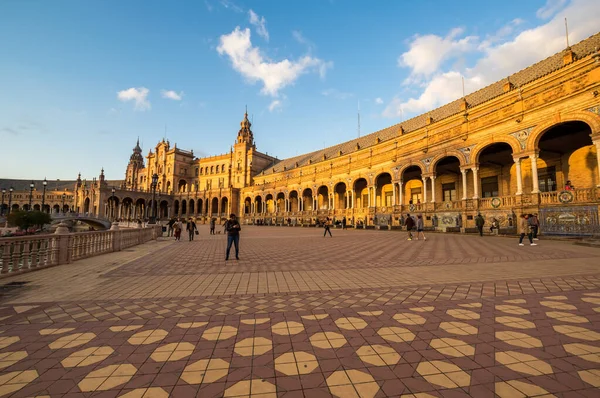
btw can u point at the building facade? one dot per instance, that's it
(526, 144)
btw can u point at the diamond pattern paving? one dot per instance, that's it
(366, 314)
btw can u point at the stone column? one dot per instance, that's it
(432, 189)
(400, 192)
(519, 176)
(475, 171)
(352, 198)
(464, 183)
(597, 143)
(534, 173)
(394, 193)
(424, 189)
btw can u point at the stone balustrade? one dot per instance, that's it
(25, 253)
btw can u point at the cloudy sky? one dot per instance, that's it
(80, 81)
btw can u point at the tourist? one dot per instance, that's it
(479, 221)
(327, 225)
(524, 229)
(534, 224)
(420, 227)
(410, 224)
(344, 223)
(569, 186)
(494, 226)
(191, 228)
(170, 227)
(233, 228)
(178, 226)
(212, 225)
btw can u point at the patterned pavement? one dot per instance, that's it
(362, 314)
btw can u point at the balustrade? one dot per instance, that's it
(32, 252)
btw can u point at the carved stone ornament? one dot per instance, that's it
(522, 136)
(427, 162)
(467, 152)
(595, 109)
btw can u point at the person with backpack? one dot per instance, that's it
(327, 226)
(479, 222)
(410, 224)
(191, 228)
(233, 228)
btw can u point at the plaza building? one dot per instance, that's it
(526, 144)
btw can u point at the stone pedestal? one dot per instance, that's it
(114, 226)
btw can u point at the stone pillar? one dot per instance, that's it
(369, 197)
(432, 189)
(394, 193)
(424, 189)
(400, 192)
(475, 171)
(464, 183)
(519, 176)
(534, 173)
(353, 200)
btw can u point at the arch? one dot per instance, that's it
(65, 209)
(247, 205)
(447, 183)
(36, 207)
(212, 169)
(294, 201)
(164, 209)
(384, 192)
(411, 172)
(56, 209)
(258, 200)
(14, 207)
(191, 206)
(458, 155)
(339, 195)
(361, 192)
(270, 202)
(176, 208)
(589, 118)
(184, 207)
(280, 202)
(168, 186)
(214, 206)
(307, 199)
(224, 205)
(86, 205)
(323, 197)
(182, 186)
(222, 168)
(199, 206)
(508, 140)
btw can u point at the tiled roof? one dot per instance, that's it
(527, 75)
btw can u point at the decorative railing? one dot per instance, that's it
(496, 202)
(26, 253)
(583, 195)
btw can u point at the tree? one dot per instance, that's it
(26, 219)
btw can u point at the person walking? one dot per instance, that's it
(191, 228)
(410, 224)
(344, 223)
(327, 225)
(479, 221)
(233, 228)
(524, 229)
(420, 227)
(178, 226)
(170, 227)
(212, 225)
(534, 222)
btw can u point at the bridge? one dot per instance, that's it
(87, 218)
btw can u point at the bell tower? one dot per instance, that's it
(136, 163)
(243, 149)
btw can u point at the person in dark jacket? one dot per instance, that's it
(410, 224)
(479, 221)
(233, 228)
(191, 228)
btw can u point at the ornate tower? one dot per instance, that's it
(136, 163)
(243, 148)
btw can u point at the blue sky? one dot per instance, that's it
(81, 80)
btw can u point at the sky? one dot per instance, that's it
(80, 81)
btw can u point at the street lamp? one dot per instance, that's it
(2, 208)
(44, 183)
(153, 185)
(31, 186)
(10, 191)
(64, 196)
(112, 203)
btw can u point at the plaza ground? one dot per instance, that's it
(362, 314)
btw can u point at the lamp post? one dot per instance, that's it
(2, 208)
(153, 185)
(31, 186)
(44, 183)
(10, 191)
(112, 203)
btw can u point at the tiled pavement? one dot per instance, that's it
(362, 314)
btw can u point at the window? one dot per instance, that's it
(415, 195)
(212, 169)
(448, 192)
(389, 199)
(489, 187)
(547, 179)
(365, 200)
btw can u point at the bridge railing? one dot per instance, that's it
(25, 253)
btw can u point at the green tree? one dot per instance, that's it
(26, 219)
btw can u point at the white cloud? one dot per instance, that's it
(170, 94)
(250, 63)
(337, 94)
(274, 105)
(428, 52)
(499, 60)
(378, 101)
(138, 95)
(259, 23)
(550, 8)
(230, 5)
